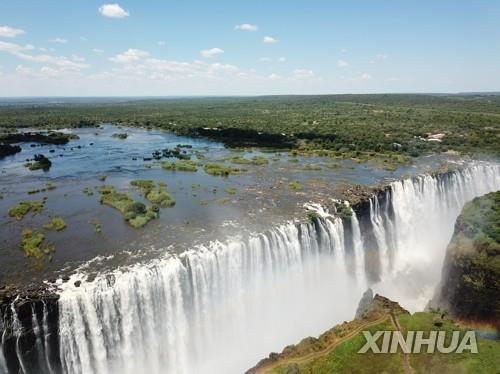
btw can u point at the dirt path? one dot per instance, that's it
(324, 351)
(406, 359)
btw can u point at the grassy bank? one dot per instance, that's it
(349, 125)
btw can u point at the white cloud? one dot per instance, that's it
(361, 77)
(246, 27)
(269, 40)
(274, 77)
(83, 39)
(10, 32)
(162, 43)
(343, 50)
(21, 69)
(131, 55)
(169, 70)
(303, 73)
(58, 40)
(77, 58)
(379, 57)
(60, 61)
(48, 71)
(14, 48)
(97, 50)
(342, 64)
(270, 59)
(228, 68)
(209, 53)
(113, 11)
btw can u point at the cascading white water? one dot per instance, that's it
(220, 308)
(425, 210)
(213, 309)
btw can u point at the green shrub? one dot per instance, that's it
(24, 207)
(221, 170)
(120, 136)
(56, 223)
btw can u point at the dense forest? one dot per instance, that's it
(394, 124)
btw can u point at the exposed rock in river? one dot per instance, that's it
(8, 150)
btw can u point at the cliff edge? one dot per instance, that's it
(470, 286)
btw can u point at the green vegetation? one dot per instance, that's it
(56, 223)
(480, 221)
(335, 351)
(221, 170)
(120, 136)
(312, 216)
(134, 212)
(332, 165)
(97, 225)
(399, 124)
(471, 276)
(311, 167)
(295, 185)
(182, 165)
(343, 211)
(159, 196)
(24, 207)
(486, 361)
(102, 178)
(144, 184)
(48, 187)
(255, 160)
(87, 191)
(40, 162)
(230, 190)
(222, 201)
(33, 245)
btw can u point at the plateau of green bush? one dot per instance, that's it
(120, 136)
(134, 212)
(33, 245)
(182, 165)
(221, 170)
(56, 223)
(24, 207)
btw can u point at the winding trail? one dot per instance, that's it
(406, 360)
(264, 369)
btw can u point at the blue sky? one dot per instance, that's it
(164, 47)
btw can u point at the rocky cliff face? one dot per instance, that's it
(29, 331)
(470, 287)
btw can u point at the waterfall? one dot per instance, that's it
(424, 211)
(219, 300)
(223, 306)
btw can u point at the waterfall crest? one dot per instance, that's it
(220, 307)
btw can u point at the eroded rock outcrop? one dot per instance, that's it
(470, 287)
